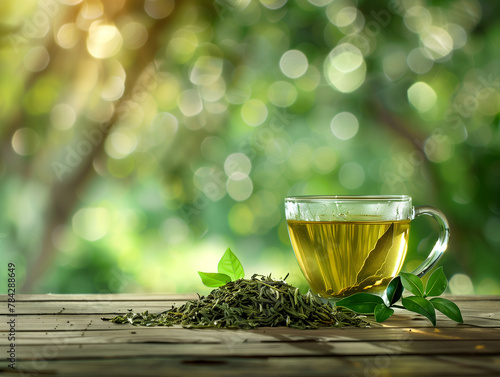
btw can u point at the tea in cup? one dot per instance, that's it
(350, 244)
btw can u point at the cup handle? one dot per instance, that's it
(442, 242)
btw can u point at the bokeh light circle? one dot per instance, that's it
(25, 141)
(351, 175)
(422, 96)
(91, 223)
(417, 19)
(437, 42)
(36, 59)
(419, 62)
(345, 68)
(104, 40)
(282, 94)
(68, 35)
(254, 112)
(324, 159)
(461, 284)
(190, 103)
(159, 9)
(293, 63)
(134, 35)
(62, 116)
(273, 4)
(237, 166)
(344, 125)
(239, 189)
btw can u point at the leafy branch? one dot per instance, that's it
(367, 303)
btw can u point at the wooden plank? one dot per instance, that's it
(88, 307)
(472, 297)
(75, 341)
(478, 315)
(275, 366)
(62, 351)
(221, 336)
(162, 347)
(104, 297)
(72, 322)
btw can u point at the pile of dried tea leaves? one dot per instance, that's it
(249, 303)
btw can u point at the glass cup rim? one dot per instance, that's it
(347, 198)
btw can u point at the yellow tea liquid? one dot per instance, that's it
(340, 258)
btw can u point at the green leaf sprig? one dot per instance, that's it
(367, 303)
(228, 269)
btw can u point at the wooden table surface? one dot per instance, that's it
(64, 335)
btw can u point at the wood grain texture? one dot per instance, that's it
(64, 335)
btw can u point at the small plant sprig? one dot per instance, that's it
(228, 269)
(367, 303)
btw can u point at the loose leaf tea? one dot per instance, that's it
(250, 303)
(262, 301)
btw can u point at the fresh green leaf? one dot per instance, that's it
(363, 303)
(230, 265)
(213, 279)
(421, 306)
(377, 257)
(382, 312)
(394, 290)
(436, 284)
(448, 308)
(412, 283)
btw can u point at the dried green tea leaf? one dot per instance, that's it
(377, 257)
(249, 303)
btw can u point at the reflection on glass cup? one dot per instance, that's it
(350, 244)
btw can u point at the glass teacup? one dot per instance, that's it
(350, 244)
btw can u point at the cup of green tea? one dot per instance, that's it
(350, 244)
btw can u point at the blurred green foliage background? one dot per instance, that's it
(139, 139)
